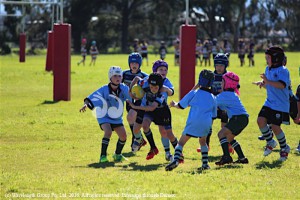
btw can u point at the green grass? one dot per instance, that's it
(49, 148)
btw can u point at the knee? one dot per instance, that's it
(261, 122)
(130, 118)
(123, 137)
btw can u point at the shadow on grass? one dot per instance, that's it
(195, 171)
(128, 154)
(267, 165)
(213, 158)
(101, 165)
(229, 166)
(46, 102)
(135, 167)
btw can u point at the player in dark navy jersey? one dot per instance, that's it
(134, 62)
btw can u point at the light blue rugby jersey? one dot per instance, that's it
(278, 99)
(230, 101)
(149, 97)
(203, 109)
(168, 83)
(108, 104)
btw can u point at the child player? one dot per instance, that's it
(109, 104)
(144, 50)
(134, 62)
(221, 64)
(198, 124)
(153, 108)
(94, 53)
(162, 50)
(275, 110)
(83, 52)
(241, 51)
(161, 67)
(229, 101)
(297, 118)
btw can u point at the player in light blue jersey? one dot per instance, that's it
(229, 101)
(275, 110)
(297, 118)
(221, 63)
(154, 108)
(203, 109)
(109, 104)
(134, 62)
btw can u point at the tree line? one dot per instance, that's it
(116, 23)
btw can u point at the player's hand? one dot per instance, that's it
(264, 78)
(173, 103)
(297, 119)
(259, 83)
(130, 103)
(83, 109)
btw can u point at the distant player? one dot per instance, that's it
(136, 46)
(94, 53)
(215, 49)
(83, 52)
(227, 48)
(109, 103)
(251, 54)
(144, 50)
(241, 51)
(162, 50)
(176, 52)
(202, 110)
(206, 53)
(198, 50)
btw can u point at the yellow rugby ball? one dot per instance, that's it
(137, 91)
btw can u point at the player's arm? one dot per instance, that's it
(87, 103)
(150, 108)
(260, 84)
(277, 84)
(168, 90)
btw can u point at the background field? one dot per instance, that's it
(50, 149)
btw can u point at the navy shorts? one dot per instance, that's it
(274, 116)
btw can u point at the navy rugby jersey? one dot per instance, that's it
(217, 83)
(128, 76)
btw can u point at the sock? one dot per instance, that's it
(104, 145)
(281, 139)
(208, 137)
(174, 143)
(138, 137)
(131, 128)
(224, 145)
(166, 143)
(266, 133)
(120, 145)
(150, 139)
(237, 148)
(178, 152)
(204, 153)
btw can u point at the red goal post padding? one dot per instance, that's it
(187, 58)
